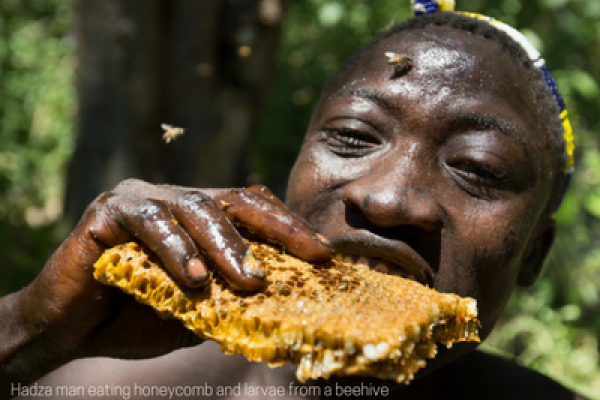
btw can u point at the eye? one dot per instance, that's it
(349, 142)
(479, 179)
(478, 172)
(486, 164)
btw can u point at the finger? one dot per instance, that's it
(274, 222)
(153, 224)
(265, 192)
(218, 240)
(98, 220)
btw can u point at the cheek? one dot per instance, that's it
(482, 259)
(305, 184)
(314, 189)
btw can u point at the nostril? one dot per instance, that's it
(409, 207)
(352, 203)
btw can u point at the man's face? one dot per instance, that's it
(437, 173)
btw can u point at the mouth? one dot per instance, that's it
(375, 264)
(383, 255)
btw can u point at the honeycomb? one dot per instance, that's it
(332, 318)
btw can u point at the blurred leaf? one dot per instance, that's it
(331, 13)
(554, 3)
(37, 106)
(585, 84)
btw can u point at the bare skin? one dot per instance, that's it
(439, 171)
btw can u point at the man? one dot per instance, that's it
(448, 167)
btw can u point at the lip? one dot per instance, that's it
(400, 257)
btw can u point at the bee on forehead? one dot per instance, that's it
(171, 132)
(400, 62)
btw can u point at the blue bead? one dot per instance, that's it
(552, 85)
(430, 7)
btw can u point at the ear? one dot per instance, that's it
(536, 252)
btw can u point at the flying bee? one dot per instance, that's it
(399, 62)
(171, 132)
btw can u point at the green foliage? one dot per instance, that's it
(37, 99)
(36, 93)
(554, 326)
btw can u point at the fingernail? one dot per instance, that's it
(251, 267)
(323, 240)
(197, 270)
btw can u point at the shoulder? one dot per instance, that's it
(482, 375)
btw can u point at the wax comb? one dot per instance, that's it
(331, 318)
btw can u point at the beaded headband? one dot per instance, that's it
(428, 7)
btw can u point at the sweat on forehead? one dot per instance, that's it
(439, 39)
(442, 66)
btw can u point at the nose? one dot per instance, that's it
(390, 199)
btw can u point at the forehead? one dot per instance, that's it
(441, 57)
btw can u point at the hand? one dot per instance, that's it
(190, 231)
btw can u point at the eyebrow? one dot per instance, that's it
(374, 95)
(486, 122)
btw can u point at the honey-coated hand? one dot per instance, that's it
(65, 314)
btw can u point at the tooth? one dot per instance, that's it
(363, 262)
(381, 268)
(347, 259)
